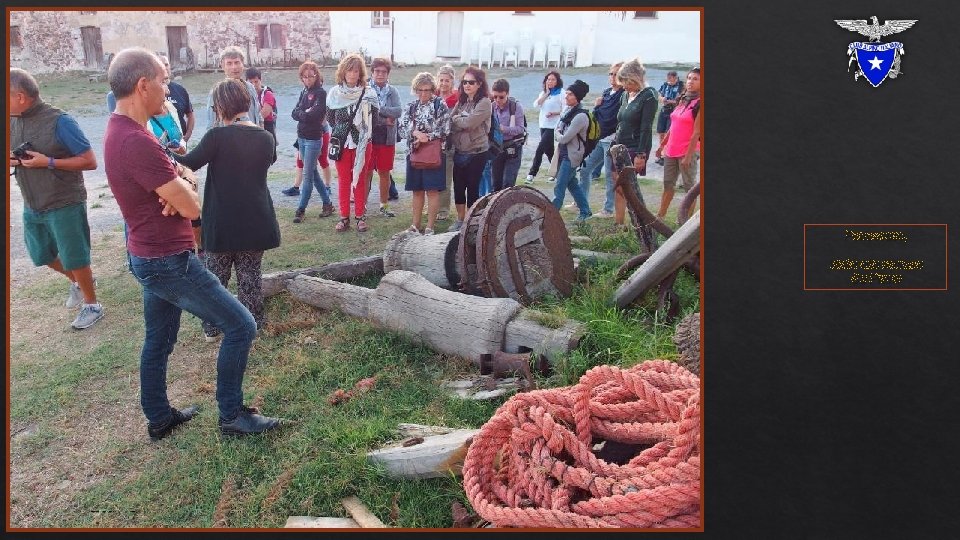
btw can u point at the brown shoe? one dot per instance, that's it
(298, 217)
(326, 211)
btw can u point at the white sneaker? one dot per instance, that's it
(572, 205)
(603, 213)
(75, 297)
(90, 314)
(428, 231)
(529, 179)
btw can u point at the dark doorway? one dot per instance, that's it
(92, 47)
(177, 42)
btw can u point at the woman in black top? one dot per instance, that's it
(239, 222)
(310, 114)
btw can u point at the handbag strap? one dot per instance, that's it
(359, 102)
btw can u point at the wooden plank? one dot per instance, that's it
(308, 522)
(361, 514)
(436, 457)
(584, 254)
(665, 260)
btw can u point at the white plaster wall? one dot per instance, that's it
(415, 37)
(674, 36)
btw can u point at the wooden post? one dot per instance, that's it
(432, 256)
(676, 251)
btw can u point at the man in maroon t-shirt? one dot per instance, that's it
(158, 198)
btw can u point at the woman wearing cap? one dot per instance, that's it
(469, 126)
(638, 108)
(571, 136)
(426, 119)
(680, 147)
(550, 103)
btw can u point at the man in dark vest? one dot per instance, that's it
(49, 153)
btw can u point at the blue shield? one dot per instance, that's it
(875, 60)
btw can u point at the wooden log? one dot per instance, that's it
(432, 256)
(447, 321)
(331, 295)
(676, 251)
(526, 332)
(361, 514)
(580, 240)
(276, 282)
(687, 203)
(437, 456)
(308, 522)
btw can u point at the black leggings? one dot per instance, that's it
(467, 170)
(545, 147)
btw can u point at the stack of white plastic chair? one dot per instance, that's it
(539, 53)
(486, 49)
(474, 53)
(498, 50)
(570, 57)
(526, 46)
(553, 50)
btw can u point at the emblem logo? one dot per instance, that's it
(875, 60)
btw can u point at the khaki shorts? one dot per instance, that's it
(672, 169)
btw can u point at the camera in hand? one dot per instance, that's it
(20, 152)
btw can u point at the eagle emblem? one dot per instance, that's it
(875, 60)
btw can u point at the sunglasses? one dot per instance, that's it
(469, 81)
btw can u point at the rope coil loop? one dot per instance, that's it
(534, 464)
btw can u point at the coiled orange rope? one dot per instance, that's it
(533, 463)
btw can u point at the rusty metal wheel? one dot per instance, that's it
(521, 247)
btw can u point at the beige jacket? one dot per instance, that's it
(469, 126)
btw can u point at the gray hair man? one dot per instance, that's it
(49, 153)
(158, 198)
(231, 61)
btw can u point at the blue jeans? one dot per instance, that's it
(486, 177)
(506, 168)
(566, 180)
(309, 150)
(171, 285)
(599, 157)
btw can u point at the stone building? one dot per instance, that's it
(55, 41)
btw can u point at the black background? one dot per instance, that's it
(827, 414)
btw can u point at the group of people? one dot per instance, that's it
(183, 263)
(625, 113)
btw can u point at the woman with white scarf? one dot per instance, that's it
(351, 105)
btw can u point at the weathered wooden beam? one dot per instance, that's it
(527, 332)
(276, 282)
(446, 321)
(439, 455)
(308, 522)
(361, 514)
(676, 251)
